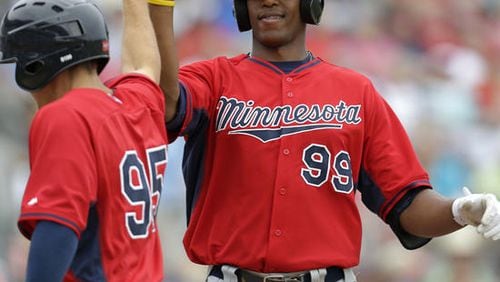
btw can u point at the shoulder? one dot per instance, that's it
(57, 120)
(344, 72)
(237, 59)
(78, 108)
(137, 87)
(131, 80)
(61, 110)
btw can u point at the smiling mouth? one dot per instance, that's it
(271, 18)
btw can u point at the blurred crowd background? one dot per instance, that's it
(437, 62)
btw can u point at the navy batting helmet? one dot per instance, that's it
(310, 12)
(45, 37)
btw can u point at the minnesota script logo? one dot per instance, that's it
(268, 124)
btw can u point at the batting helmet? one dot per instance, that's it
(45, 37)
(310, 12)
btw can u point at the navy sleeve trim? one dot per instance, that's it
(45, 216)
(408, 240)
(419, 183)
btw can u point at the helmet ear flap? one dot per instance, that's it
(311, 10)
(240, 12)
(33, 75)
(33, 68)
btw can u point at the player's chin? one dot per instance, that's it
(271, 39)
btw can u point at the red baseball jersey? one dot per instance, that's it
(97, 164)
(273, 162)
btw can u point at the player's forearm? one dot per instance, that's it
(429, 215)
(162, 18)
(52, 249)
(139, 49)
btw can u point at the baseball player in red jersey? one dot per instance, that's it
(278, 144)
(97, 151)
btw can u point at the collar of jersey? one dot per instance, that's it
(310, 63)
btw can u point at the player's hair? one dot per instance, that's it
(310, 12)
(45, 37)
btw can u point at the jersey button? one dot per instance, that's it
(289, 94)
(286, 152)
(289, 79)
(283, 191)
(277, 233)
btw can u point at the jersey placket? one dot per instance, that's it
(280, 221)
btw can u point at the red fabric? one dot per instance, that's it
(257, 209)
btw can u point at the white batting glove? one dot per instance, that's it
(490, 223)
(471, 209)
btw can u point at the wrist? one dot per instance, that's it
(168, 3)
(455, 210)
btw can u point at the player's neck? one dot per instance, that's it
(280, 54)
(67, 80)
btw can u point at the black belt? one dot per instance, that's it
(333, 274)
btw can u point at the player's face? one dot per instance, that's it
(276, 23)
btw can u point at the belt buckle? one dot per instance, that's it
(282, 278)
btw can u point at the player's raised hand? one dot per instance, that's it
(474, 209)
(490, 223)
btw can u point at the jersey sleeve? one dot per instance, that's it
(63, 181)
(390, 167)
(198, 89)
(145, 89)
(175, 125)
